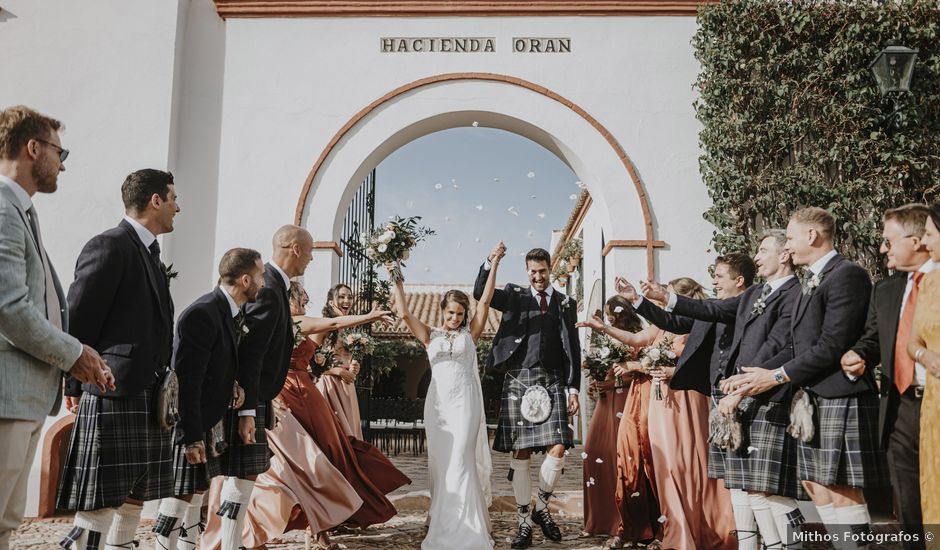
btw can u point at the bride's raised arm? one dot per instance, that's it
(421, 331)
(478, 323)
(319, 325)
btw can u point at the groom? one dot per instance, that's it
(536, 344)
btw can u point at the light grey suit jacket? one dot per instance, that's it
(34, 354)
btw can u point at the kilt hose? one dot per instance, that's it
(189, 479)
(514, 433)
(117, 450)
(766, 461)
(242, 460)
(845, 449)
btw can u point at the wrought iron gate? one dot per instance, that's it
(357, 271)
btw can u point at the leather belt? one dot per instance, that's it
(917, 392)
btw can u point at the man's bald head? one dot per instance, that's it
(293, 249)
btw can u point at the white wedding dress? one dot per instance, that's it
(459, 462)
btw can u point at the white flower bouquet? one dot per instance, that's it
(359, 344)
(604, 353)
(394, 242)
(657, 356)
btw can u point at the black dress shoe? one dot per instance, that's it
(524, 538)
(545, 521)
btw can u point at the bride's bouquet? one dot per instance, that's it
(394, 242)
(604, 353)
(657, 356)
(359, 344)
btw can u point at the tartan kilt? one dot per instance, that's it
(189, 479)
(766, 461)
(716, 456)
(845, 449)
(515, 433)
(242, 460)
(117, 450)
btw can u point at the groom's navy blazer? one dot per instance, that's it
(516, 302)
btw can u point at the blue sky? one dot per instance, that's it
(475, 186)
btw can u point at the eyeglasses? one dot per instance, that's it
(887, 244)
(63, 153)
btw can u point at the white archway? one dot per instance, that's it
(427, 107)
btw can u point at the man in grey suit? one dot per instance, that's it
(35, 349)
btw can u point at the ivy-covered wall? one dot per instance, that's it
(792, 116)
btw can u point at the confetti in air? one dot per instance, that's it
(619, 414)
(475, 124)
(512, 210)
(495, 179)
(583, 456)
(662, 519)
(752, 449)
(530, 175)
(456, 187)
(599, 460)
(572, 196)
(541, 215)
(446, 218)
(531, 233)
(480, 207)
(636, 494)
(438, 186)
(476, 240)
(531, 196)
(618, 309)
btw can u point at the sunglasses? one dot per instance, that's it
(63, 153)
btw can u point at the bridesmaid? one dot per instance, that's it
(338, 384)
(601, 511)
(696, 510)
(636, 499)
(924, 347)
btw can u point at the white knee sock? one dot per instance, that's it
(788, 517)
(168, 520)
(189, 534)
(827, 514)
(548, 476)
(744, 523)
(235, 494)
(521, 486)
(124, 527)
(856, 517)
(89, 530)
(765, 521)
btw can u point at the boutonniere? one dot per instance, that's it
(812, 283)
(565, 303)
(759, 306)
(169, 273)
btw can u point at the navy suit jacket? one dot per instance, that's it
(119, 304)
(826, 324)
(693, 370)
(264, 353)
(760, 340)
(205, 357)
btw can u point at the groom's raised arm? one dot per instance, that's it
(500, 296)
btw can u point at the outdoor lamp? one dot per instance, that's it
(893, 68)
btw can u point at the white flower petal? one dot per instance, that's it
(619, 414)
(592, 480)
(514, 398)
(480, 207)
(599, 460)
(495, 179)
(566, 452)
(541, 215)
(573, 196)
(531, 196)
(636, 494)
(662, 519)
(584, 456)
(530, 175)
(518, 340)
(438, 186)
(752, 449)
(618, 309)
(475, 124)
(519, 423)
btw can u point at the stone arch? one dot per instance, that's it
(453, 100)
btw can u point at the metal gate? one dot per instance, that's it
(358, 272)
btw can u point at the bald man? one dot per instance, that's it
(264, 359)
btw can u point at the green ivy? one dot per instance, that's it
(791, 116)
(387, 353)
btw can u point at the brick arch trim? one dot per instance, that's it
(649, 243)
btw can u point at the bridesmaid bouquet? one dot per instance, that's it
(657, 356)
(394, 242)
(323, 360)
(604, 353)
(359, 344)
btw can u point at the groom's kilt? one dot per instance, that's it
(117, 450)
(516, 433)
(766, 461)
(242, 460)
(845, 450)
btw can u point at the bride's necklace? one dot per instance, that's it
(451, 336)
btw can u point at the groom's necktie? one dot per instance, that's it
(543, 301)
(53, 307)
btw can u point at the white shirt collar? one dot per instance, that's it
(283, 275)
(820, 264)
(25, 200)
(548, 291)
(777, 283)
(928, 266)
(231, 301)
(145, 235)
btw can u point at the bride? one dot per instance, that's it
(459, 463)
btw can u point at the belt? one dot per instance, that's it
(917, 392)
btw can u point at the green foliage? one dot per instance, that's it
(791, 116)
(573, 249)
(386, 354)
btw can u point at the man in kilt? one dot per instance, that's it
(887, 331)
(264, 359)
(119, 454)
(761, 473)
(706, 358)
(537, 345)
(205, 358)
(843, 455)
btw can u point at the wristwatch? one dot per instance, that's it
(780, 377)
